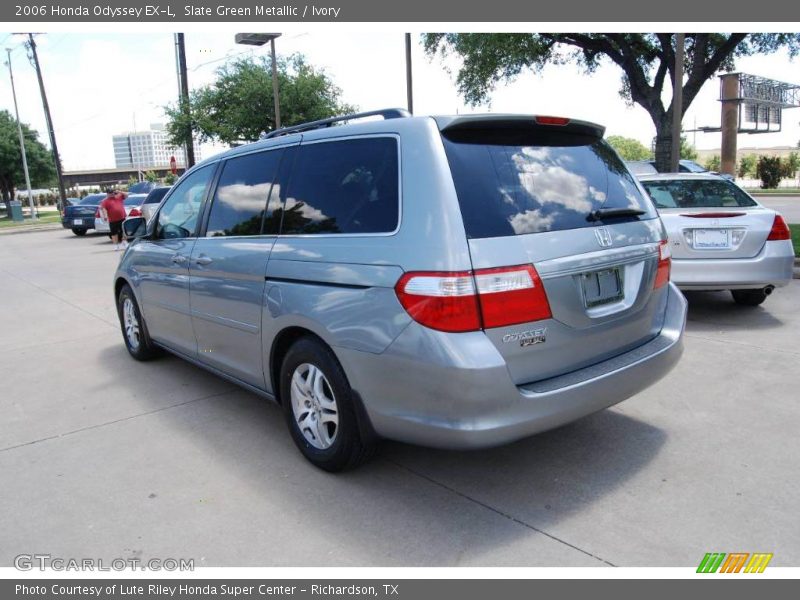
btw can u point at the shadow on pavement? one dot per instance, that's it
(410, 496)
(715, 310)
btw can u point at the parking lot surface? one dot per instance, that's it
(105, 457)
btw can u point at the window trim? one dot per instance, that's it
(396, 230)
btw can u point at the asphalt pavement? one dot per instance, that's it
(102, 456)
(788, 206)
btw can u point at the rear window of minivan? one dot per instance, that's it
(507, 185)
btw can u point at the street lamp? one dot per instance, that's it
(259, 39)
(21, 140)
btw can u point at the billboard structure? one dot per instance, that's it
(751, 104)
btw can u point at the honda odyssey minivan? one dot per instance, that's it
(457, 282)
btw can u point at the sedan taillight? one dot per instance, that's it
(135, 212)
(780, 230)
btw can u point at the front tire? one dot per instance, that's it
(319, 408)
(749, 297)
(134, 329)
(79, 232)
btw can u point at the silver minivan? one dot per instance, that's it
(458, 282)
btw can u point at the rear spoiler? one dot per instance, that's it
(520, 124)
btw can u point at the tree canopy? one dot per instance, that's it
(629, 148)
(40, 161)
(646, 61)
(239, 105)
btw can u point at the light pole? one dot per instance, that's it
(21, 139)
(259, 39)
(677, 103)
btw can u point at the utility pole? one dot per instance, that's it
(677, 102)
(409, 87)
(21, 140)
(184, 91)
(62, 202)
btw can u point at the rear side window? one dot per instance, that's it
(509, 186)
(156, 195)
(241, 198)
(697, 193)
(344, 186)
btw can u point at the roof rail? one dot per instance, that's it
(386, 113)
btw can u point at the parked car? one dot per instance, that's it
(142, 187)
(150, 204)
(641, 167)
(133, 202)
(79, 217)
(458, 282)
(684, 166)
(721, 237)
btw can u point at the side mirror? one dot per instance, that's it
(135, 227)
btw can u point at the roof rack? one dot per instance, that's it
(387, 113)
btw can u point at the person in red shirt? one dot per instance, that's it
(112, 209)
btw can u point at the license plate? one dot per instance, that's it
(711, 239)
(77, 222)
(602, 287)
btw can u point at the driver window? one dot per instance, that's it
(178, 217)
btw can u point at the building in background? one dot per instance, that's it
(146, 149)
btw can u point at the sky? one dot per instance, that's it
(99, 85)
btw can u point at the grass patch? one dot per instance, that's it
(795, 229)
(49, 217)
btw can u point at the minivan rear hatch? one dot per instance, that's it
(550, 193)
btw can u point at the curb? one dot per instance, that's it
(30, 228)
(796, 269)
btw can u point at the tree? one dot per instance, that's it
(647, 62)
(40, 161)
(151, 176)
(687, 151)
(713, 163)
(747, 166)
(629, 148)
(770, 171)
(790, 164)
(239, 105)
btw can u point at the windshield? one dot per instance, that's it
(697, 193)
(508, 189)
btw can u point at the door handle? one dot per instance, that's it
(203, 260)
(179, 259)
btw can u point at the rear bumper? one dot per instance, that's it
(101, 226)
(772, 266)
(86, 223)
(463, 397)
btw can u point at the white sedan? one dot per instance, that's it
(720, 237)
(132, 203)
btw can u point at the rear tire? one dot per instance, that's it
(79, 232)
(319, 408)
(134, 330)
(748, 297)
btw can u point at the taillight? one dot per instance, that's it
(467, 300)
(97, 214)
(779, 231)
(664, 264)
(135, 212)
(443, 301)
(511, 295)
(542, 120)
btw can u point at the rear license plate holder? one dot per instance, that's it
(711, 239)
(602, 287)
(77, 221)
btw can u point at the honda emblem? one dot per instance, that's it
(603, 237)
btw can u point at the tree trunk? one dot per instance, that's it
(663, 149)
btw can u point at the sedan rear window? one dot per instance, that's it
(509, 187)
(697, 193)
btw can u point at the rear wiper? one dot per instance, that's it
(612, 213)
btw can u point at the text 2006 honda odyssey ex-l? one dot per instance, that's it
(459, 282)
